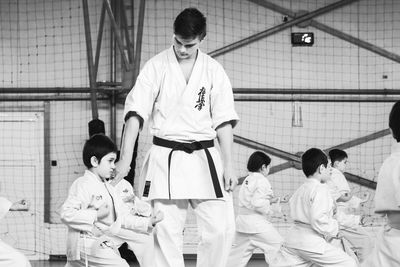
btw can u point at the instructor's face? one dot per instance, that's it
(185, 48)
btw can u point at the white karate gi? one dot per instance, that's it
(253, 230)
(360, 240)
(311, 207)
(142, 244)
(9, 256)
(91, 240)
(185, 112)
(387, 201)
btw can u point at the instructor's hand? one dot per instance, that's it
(230, 179)
(121, 170)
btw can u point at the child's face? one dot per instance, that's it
(341, 165)
(265, 170)
(325, 173)
(105, 168)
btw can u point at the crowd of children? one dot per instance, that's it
(100, 216)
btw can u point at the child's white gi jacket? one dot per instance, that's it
(312, 209)
(254, 204)
(338, 186)
(80, 220)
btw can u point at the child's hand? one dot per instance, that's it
(130, 198)
(95, 202)
(156, 218)
(142, 208)
(285, 198)
(334, 209)
(339, 235)
(365, 198)
(366, 220)
(274, 200)
(103, 211)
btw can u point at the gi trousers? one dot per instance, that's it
(216, 226)
(386, 251)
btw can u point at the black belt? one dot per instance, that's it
(189, 148)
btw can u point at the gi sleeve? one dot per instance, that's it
(342, 184)
(74, 213)
(132, 221)
(136, 223)
(321, 213)
(5, 206)
(261, 197)
(348, 220)
(140, 99)
(222, 103)
(396, 183)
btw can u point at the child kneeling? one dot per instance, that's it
(253, 230)
(312, 209)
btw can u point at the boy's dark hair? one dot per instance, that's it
(98, 145)
(190, 23)
(337, 155)
(256, 160)
(312, 159)
(394, 121)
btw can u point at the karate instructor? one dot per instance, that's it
(187, 98)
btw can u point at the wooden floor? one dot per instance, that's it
(188, 263)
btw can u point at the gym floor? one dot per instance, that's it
(188, 263)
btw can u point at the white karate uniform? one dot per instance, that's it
(142, 244)
(253, 230)
(9, 256)
(387, 201)
(311, 207)
(360, 240)
(185, 112)
(95, 241)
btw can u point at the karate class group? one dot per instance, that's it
(187, 98)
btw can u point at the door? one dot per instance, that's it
(21, 177)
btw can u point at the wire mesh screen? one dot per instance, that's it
(351, 73)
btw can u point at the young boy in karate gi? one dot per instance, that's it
(9, 256)
(253, 230)
(187, 98)
(350, 224)
(141, 244)
(387, 202)
(95, 214)
(312, 209)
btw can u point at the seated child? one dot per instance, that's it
(253, 230)
(312, 209)
(350, 224)
(141, 244)
(387, 202)
(95, 214)
(10, 257)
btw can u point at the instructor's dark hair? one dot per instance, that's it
(98, 145)
(190, 23)
(256, 160)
